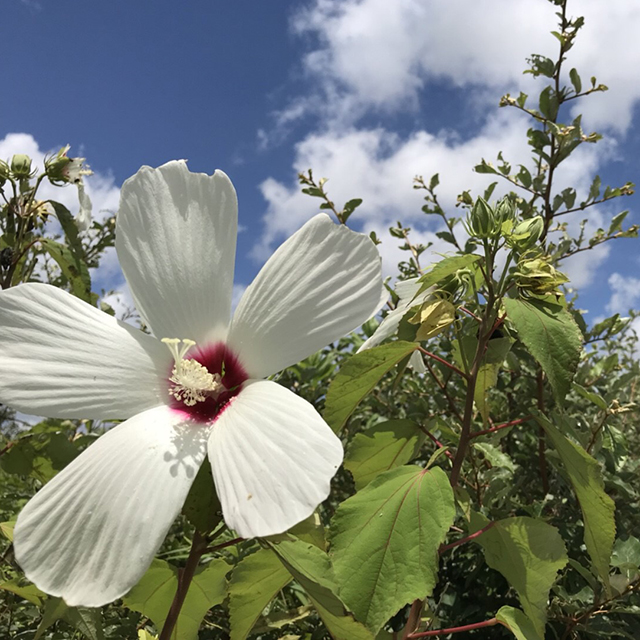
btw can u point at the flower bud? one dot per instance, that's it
(537, 276)
(434, 316)
(21, 166)
(481, 221)
(5, 172)
(526, 234)
(505, 210)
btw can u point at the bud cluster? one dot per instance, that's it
(485, 222)
(537, 276)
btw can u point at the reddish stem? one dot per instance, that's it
(444, 362)
(225, 544)
(444, 632)
(479, 532)
(436, 442)
(500, 426)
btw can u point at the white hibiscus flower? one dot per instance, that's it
(90, 534)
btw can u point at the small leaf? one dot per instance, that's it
(382, 447)
(597, 507)
(385, 540)
(69, 226)
(255, 581)
(54, 610)
(358, 376)
(25, 591)
(594, 398)
(153, 595)
(575, 80)
(552, 336)
(6, 529)
(87, 621)
(528, 553)
(626, 554)
(518, 623)
(496, 457)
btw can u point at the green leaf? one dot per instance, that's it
(575, 80)
(594, 398)
(255, 581)
(69, 226)
(496, 457)
(202, 506)
(626, 554)
(553, 338)
(153, 595)
(25, 591)
(385, 540)
(487, 378)
(6, 529)
(312, 570)
(597, 507)
(445, 268)
(382, 447)
(518, 623)
(54, 610)
(87, 621)
(528, 553)
(358, 376)
(73, 268)
(310, 530)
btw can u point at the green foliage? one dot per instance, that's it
(385, 540)
(552, 337)
(597, 507)
(358, 377)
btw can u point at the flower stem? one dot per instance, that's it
(198, 547)
(444, 632)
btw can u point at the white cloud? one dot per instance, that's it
(382, 55)
(625, 293)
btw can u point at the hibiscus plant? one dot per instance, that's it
(450, 450)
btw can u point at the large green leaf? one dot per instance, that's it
(358, 376)
(444, 268)
(552, 336)
(255, 581)
(153, 595)
(312, 570)
(72, 266)
(518, 623)
(382, 447)
(528, 553)
(385, 540)
(597, 507)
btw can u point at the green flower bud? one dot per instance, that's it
(481, 221)
(56, 167)
(505, 210)
(21, 166)
(433, 317)
(5, 172)
(526, 234)
(537, 276)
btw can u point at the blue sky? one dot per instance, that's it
(367, 92)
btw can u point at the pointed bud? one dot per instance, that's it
(481, 221)
(505, 210)
(526, 234)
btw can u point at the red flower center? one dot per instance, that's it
(217, 359)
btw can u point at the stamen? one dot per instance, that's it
(192, 381)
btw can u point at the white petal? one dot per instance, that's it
(322, 283)
(83, 219)
(416, 362)
(273, 458)
(90, 534)
(63, 358)
(176, 242)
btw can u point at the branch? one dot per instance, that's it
(478, 533)
(501, 426)
(444, 632)
(444, 362)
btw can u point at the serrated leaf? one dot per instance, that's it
(445, 268)
(626, 554)
(73, 268)
(255, 581)
(358, 376)
(312, 570)
(87, 621)
(528, 553)
(553, 338)
(597, 507)
(518, 623)
(153, 595)
(202, 507)
(382, 447)
(385, 540)
(496, 457)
